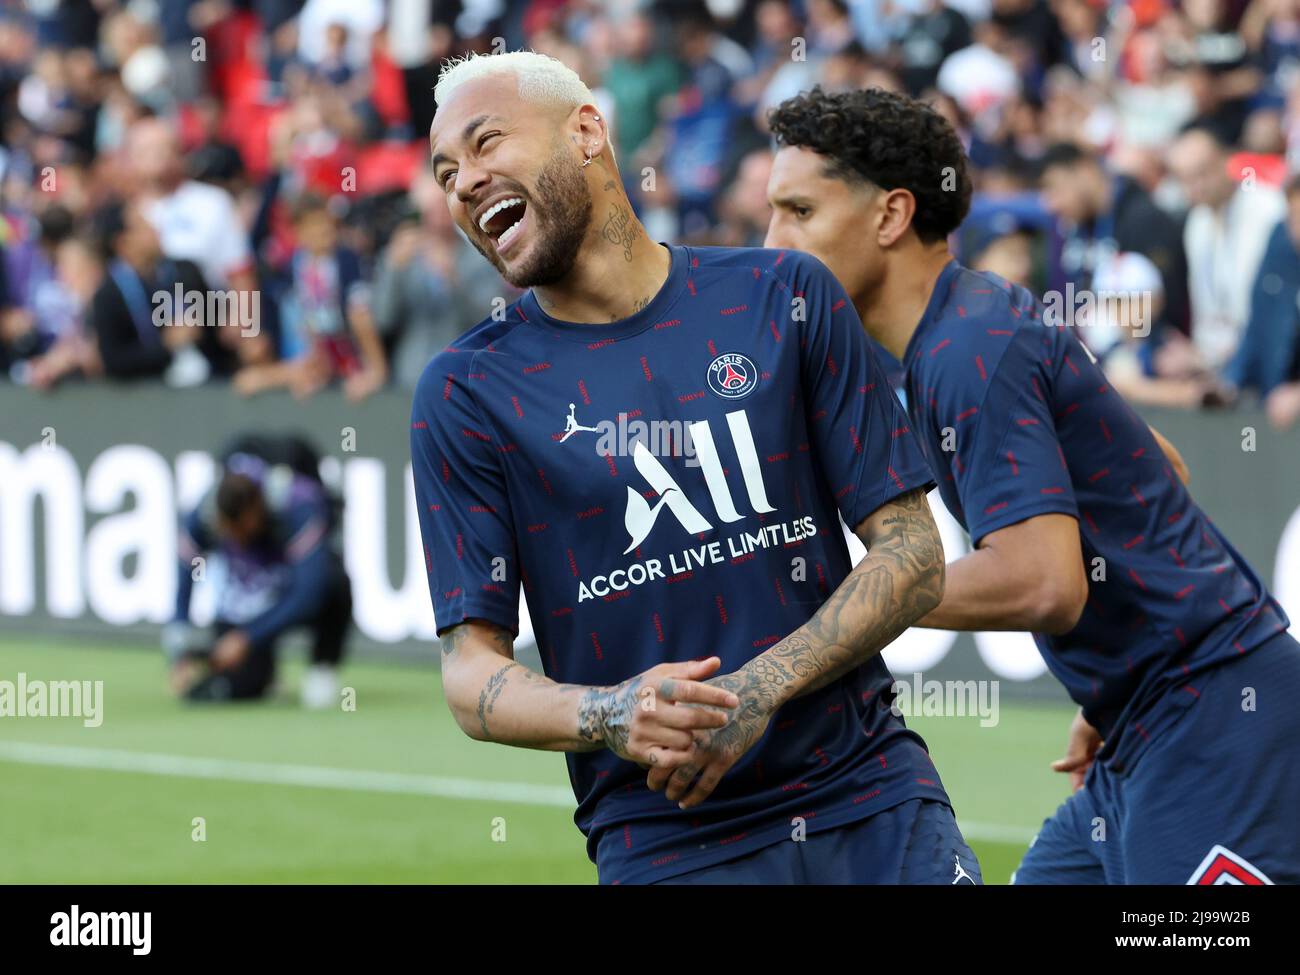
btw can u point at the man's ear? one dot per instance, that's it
(592, 133)
(898, 207)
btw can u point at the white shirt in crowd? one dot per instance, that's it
(1224, 251)
(362, 18)
(198, 222)
(978, 78)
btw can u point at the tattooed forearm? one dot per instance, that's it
(487, 698)
(899, 581)
(495, 698)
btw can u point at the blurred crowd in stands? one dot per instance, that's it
(273, 153)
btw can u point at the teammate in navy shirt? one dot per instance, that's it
(657, 443)
(1082, 531)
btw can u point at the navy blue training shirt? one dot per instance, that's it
(666, 488)
(1032, 427)
(279, 580)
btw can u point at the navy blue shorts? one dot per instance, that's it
(915, 842)
(1214, 799)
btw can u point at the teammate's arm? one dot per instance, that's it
(899, 581)
(645, 719)
(1083, 744)
(1027, 576)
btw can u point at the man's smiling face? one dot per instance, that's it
(511, 179)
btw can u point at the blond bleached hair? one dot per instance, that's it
(542, 79)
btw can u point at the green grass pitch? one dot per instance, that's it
(392, 792)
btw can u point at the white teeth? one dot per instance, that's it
(496, 208)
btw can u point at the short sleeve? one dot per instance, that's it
(862, 438)
(1007, 463)
(469, 546)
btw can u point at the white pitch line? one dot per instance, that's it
(317, 776)
(995, 832)
(233, 770)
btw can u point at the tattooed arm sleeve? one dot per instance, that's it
(899, 581)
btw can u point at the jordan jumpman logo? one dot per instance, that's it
(572, 426)
(960, 871)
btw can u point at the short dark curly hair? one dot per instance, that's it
(886, 139)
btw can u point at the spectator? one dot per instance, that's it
(214, 160)
(335, 335)
(358, 19)
(1105, 214)
(1227, 230)
(139, 332)
(830, 29)
(1128, 293)
(1271, 31)
(195, 221)
(879, 23)
(1081, 23)
(1221, 72)
(35, 309)
(1269, 357)
(931, 34)
(80, 271)
(333, 65)
(783, 65)
(981, 76)
(639, 79)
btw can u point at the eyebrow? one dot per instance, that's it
(465, 134)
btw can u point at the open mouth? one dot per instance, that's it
(504, 222)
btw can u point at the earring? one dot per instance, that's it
(586, 162)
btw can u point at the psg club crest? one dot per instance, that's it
(732, 375)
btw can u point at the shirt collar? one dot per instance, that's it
(938, 298)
